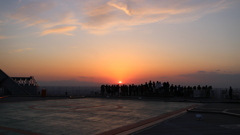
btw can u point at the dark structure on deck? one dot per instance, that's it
(17, 85)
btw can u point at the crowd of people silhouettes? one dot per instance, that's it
(152, 88)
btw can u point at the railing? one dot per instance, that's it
(223, 93)
(217, 93)
(69, 90)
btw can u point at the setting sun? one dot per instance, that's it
(120, 82)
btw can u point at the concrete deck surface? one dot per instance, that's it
(218, 117)
(83, 116)
(214, 122)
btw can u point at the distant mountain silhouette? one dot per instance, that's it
(67, 83)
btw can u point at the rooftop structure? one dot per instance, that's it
(25, 81)
(17, 85)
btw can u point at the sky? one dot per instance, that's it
(91, 42)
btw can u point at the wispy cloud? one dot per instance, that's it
(63, 19)
(216, 78)
(34, 14)
(104, 16)
(20, 50)
(59, 30)
(5, 37)
(121, 6)
(114, 14)
(31, 12)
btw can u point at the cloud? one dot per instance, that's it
(35, 22)
(121, 6)
(41, 14)
(32, 11)
(59, 30)
(214, 78)
(113, 14)
(65, 23)
(21, 50)
(62, 19)
(106, 16)
(4, 37)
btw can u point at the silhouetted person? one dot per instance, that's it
(154, 85)
(102, 90)
(171, 88)
(230, 92)
(150, 84)
(199, 87)
(208, 91)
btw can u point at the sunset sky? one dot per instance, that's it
(186, 42)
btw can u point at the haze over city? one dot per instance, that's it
(92, 42)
